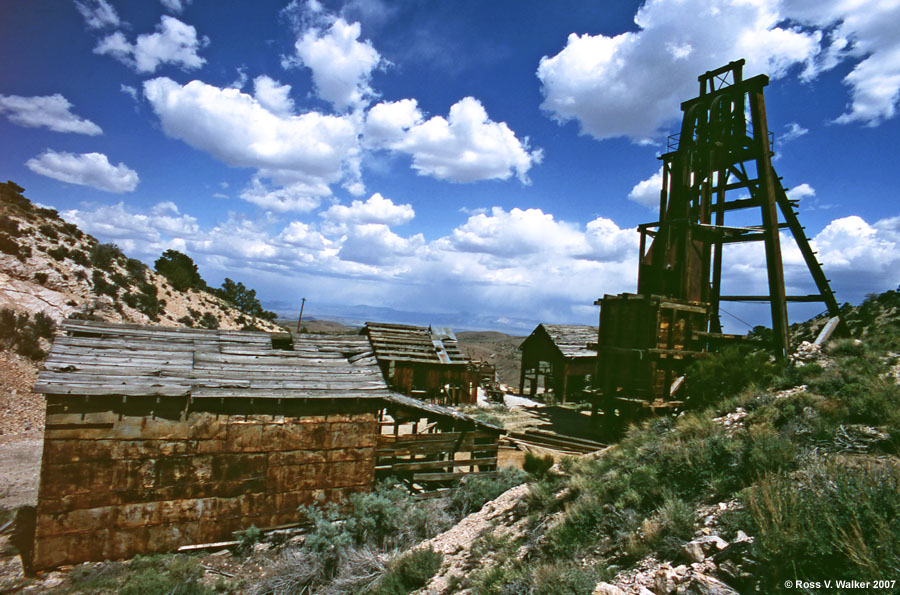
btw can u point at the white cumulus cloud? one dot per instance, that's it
(376, 209)
(173, 42)
(466, 146)
(341, 65)
(631, 84)
(292, 197)
(51, 111)
(801, 191)
(646, 192)
(516, 232)
(273, 96)
(86, 169)
(375, 244)
(311, 149)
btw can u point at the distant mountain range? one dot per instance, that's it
(359, 314)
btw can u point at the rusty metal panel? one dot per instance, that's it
(141, 484)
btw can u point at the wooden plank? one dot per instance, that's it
(128, 391)
(434, 449)
(358, 393)
(425, 465)
(449, 476)
(437, 437)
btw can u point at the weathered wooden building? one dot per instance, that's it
(425, 363)
(161, 437)
(561, 355)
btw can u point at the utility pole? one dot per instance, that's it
(300, 320)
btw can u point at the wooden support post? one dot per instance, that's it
(770, 225)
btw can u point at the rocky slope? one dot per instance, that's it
(50, 266)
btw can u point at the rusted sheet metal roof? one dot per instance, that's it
(130, 360)
(400, 342)
(572, 340)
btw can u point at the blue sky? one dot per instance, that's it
(456, 159)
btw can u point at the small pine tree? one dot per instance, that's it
(179, 269)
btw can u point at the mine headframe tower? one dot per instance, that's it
(724, 148)
(720, 162)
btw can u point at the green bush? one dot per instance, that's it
(209, 320)
(102, 286)
(143, 575)
(80, 257)
(409, 572)
(59, 253)
(727, 373)
(104, 255)
(136, 268)
(565, 578)
(537, 465)
(22, 333)
(49, 231)
(475, 490)
(11, 247)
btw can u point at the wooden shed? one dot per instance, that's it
(563, 355)
(425, 363)
(161, 437)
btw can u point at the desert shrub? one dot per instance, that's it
(148, 303)
(102, 286)
(43, 325)
(104, 255)
(59, 253)
(209, 320)
(180, 270)
(10, 246)
(49, 231)
(119, 280)
(80, 257)
(475, 490)
(565, 578)
(24, 333)
(8, 323)
(664, 531)
(143, 575)
(387, 518)
(9, 226)
(537, 465)
(186, 321)
(409, 572)
(136, 269)
(248, 538)
(72, 230)
(726, 373)
(41, 278)
(851, 347)
(831, 520)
